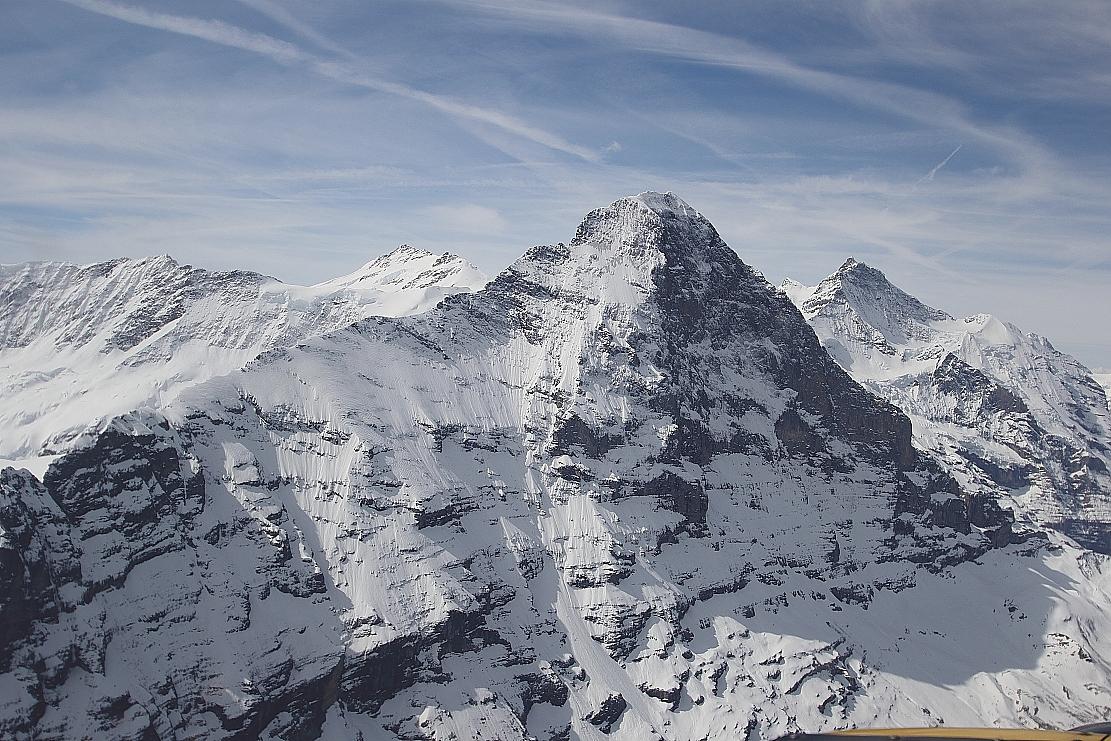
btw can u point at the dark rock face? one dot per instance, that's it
(679, 495)
(41, 574)
(125, 503)
(39, 568)
(293, 713)
(975, 395)
(716, 314)
(37, 559)
(371, 679)
(1093, 535)
(130, 489)
(574, 433)
(541, 687)
(797, 437)
(608, 713)
(942, 504)
(1057, 463)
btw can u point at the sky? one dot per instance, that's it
(961, 146)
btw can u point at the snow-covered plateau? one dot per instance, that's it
(620, 490)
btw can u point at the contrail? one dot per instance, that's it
(277, 13)
(210, 30)
(931, 173)
(289, 54)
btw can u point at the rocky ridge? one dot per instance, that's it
(621, 491)
(85, 343)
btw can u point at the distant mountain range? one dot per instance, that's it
(626, 489)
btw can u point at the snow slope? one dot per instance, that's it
(622, 491)
(85, 343)
(1004, 409)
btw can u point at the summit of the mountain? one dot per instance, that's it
(861, 286)
(887, 315)
(633, 222)
(617, 249)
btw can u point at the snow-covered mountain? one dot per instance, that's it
(86, 343)
(620, 491)
(1003, 409)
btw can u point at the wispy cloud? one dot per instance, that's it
(277, 13)
(215, 31)
(708, 48)
(284, 52)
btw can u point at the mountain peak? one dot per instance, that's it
(646, 223)
(861, 275)
(849, 265)
(867, 291)
(404, 251)
(664, 204)
(410, 268)
(621, 252)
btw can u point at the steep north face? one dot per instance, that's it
(622, 490)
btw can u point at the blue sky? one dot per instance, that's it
(962, 147)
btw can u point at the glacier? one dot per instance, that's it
(624, 489)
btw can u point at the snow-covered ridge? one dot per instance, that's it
(408, 269)
(888, 315)
(81, 343)
(1002, 407)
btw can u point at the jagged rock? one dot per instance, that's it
(608, 713)
(38, 560)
